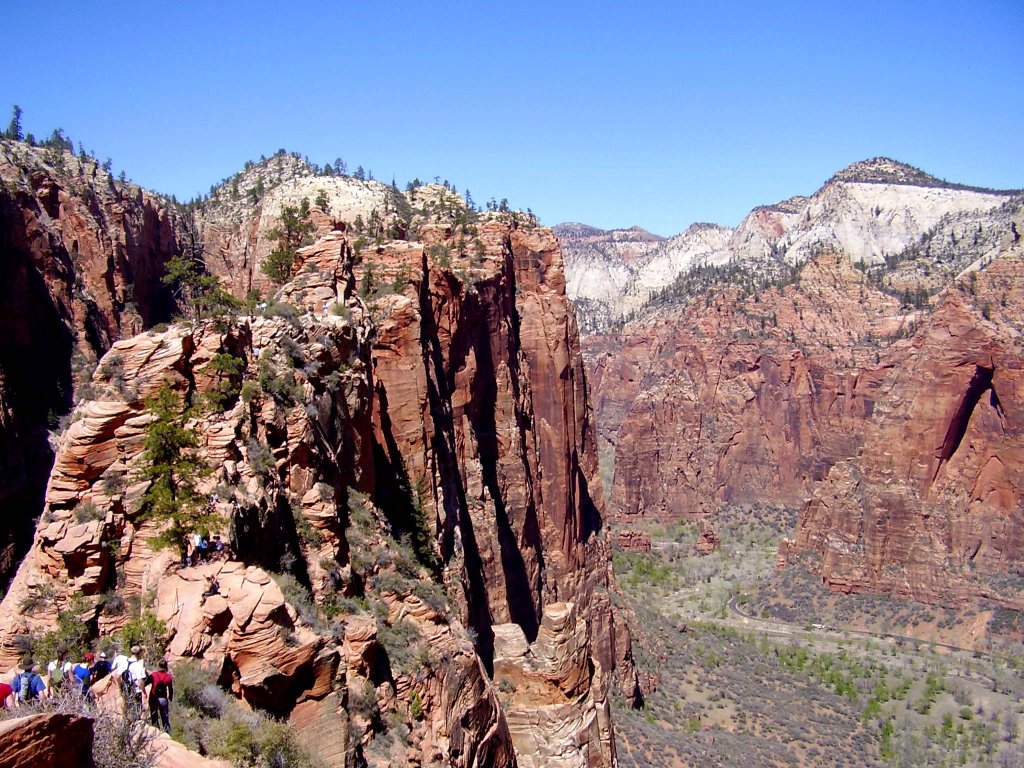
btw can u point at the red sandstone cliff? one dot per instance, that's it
(456, 399)
(735, 398)
(899, 425)
(931, 507)
(82, 256)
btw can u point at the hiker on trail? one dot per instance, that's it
(161, 694)
(82, 671)
(58, 670)
(100, 669)
(136, 676)
(6, 696)
(119, 666)
(28, 685)
(212, 587)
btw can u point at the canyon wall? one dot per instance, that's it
(416, 435)
(931, 507)
(81, 255)
(845, 354)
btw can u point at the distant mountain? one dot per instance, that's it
(872, 211)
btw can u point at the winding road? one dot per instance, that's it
(782, 628)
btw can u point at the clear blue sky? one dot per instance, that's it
(613, 114)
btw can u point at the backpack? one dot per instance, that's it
(25, 692)
(57, 676)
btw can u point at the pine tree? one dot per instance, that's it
(14, 128)
(172, 464)
(291, 231)
(200, 293)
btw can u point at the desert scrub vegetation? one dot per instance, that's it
(209, 721)
(729, 696)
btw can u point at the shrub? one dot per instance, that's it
(196, 687)
(87, 512)
(147, 631)
(299, 597)
(400, 640)
(39, 596)
(281, 386)
(261, 459)
(229, 376)
(250, 389)
(71, 635)
(416, 706)
(307, 533)
(253, 740)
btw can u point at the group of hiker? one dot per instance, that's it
(202, 549)
(139, 687)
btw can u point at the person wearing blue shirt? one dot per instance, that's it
(34, 685)
(83, 670)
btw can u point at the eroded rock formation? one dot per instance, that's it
(864, 380)
(81, 255)
(931, 508)
(434, 431)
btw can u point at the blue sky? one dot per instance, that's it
(614, 114)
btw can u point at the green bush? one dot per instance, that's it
(229, 380)
(88, 512)
(71, 636)
(147, 631)
(196, 687)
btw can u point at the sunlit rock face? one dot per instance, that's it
(412, 390)
(846, 354)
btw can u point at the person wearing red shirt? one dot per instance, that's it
(161, 694)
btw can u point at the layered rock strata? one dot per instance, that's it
(931, 508)
(740, 399)
(452, 395)
(82, 255)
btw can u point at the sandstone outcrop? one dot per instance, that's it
(82, 258)
(53, 740)
(414, 434)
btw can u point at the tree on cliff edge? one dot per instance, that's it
(172, 464)
(291, 232)
(14, 128)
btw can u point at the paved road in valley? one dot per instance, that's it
(782, 628)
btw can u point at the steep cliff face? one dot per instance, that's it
(482, 397)
(82, 255)
(452, 395)
(820, 351)
(931, 507)
(736, 398)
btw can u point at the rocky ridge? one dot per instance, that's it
(83, 253)
(447, 388)
(870, 211)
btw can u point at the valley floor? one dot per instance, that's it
(756, 667)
